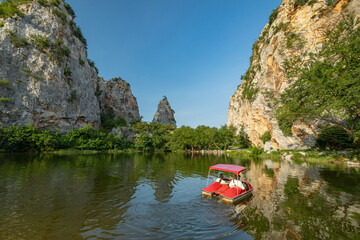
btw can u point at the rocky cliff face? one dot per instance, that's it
(291, 32)
(117, 96)
(164, 114)
(46, 77)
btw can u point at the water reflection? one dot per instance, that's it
(120, 196)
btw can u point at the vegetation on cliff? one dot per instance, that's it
(327, 86)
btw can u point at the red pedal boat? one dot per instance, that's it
(230, 190)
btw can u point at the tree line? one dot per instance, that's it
(146, 137)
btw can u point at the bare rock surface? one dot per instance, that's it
(165, 114)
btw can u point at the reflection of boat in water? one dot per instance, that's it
(229, 190)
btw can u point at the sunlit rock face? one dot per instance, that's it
(46, 78)
(117, 96)
(307, 24)
(165, 114)
(52, 87)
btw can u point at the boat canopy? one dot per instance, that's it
(228, 168)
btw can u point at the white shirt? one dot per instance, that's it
(237, 183)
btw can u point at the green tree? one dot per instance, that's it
(225, 137)
(327, 85)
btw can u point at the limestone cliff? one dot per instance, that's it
(164, 114)
(291, 31)
(46, 77)
(117, 96)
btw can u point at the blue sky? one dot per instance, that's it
(192, 51)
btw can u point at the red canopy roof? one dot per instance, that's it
(228, 168)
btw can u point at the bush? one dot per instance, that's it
(334, 138)
(43, 3)
(273, 15)
(16, 40)
(255, 151)
(70, 10)
(8, 9)
(266, 137)
(41, 42)
(110, 121)
(286, 127)
(60, 15)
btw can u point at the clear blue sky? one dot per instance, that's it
(192, 51)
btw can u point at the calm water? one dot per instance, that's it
(157, 196)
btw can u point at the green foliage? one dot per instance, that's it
(72, 97)
(110, 121)
(92, 64)
(62, 16)
(285, 126)
(327, 85)
(70, 10)
(4, 99)
(43, 3)
(330, 2)
(77, 32)
(283, 26)
(299, 3)
(2, 23)
(55, 3)
(59, 50)
(4, 81)
(29, 73)
(17, 41)
(81, 62)
(266, 137)
(30, 139)
(273, 15)
(152, 136)
(294, 41)
(9, 9)
(242, 139)
(67, 72)
(334, 138)
(41, 42)
(255, 151)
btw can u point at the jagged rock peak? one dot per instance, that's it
(116, 95)
(164, 114)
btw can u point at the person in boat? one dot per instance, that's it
(221, 179)
(236, 182)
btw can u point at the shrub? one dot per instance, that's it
(43, 3)
(8, 9)
(266, 137)
(255, 151)
(286, 127)
(2, 23)
(72, 97)
(67, 71)
(60, 15)
(16, 40)
(55, 2)
(92, 64)
(41, 42)
(110, 121)
(70, 10)
(273, 15)
(242, 139)
(334, 138)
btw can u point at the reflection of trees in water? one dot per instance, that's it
(299, 202)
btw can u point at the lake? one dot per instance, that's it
(158, 196)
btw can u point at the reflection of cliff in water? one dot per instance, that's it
(294, 201)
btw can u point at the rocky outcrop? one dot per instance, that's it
(164, 114)
(295, 30)
(116, 95)
(46, 77)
